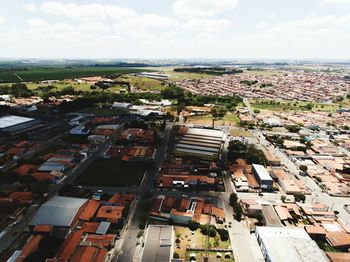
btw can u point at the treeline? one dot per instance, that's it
(186, 98)
(209, 70)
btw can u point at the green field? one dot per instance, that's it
(272, 105)
(112, 172)
(34, 74)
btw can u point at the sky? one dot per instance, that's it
(217, 29)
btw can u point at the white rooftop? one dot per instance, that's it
(262, 172)
(7, 121)
(283, 244)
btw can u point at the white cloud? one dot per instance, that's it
(208, 25)
(2, 20)
(203, 8)
(336, 1)
(87, 11)
(30, 7)
(309, 37)
(271, 16)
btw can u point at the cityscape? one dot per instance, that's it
(116, 148)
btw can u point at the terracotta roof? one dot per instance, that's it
(89, 227)
(31, 246)
(315, 230)
(89, 210)
(168, 203)
(104, 240)
(338, 239)
(43, 228)
(111, 213)
(338, 256)
(43, 176)
(26, 169)
(24, 197)
(69, 245)
(121, 199)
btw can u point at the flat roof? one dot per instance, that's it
(7, 121)
(262, 172)
(158, 244)
(270, 216)
(103, 228)
(58, 211)
(283, 244)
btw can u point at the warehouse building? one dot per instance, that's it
(200, 143)
(12, 123)
(60, 212)
(282, 244)
(263, 177)
(158, 246)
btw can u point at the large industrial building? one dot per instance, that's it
(263, 177)
(60, 212)
(158, 245)
(282, 244)
(12, 123)
(200, 143)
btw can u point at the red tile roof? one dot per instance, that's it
(31, 246)
(21, 197)
(26, 169)
(69, 246)
(111, 213)
(43, 228)
(121, 199)
(89, 227)
(168, 203)
(89, 210)
(101, 240)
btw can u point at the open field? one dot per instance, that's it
(282, 105)
(143, 83)
(33, 74)
(112, 172)
(230, 119)
(176, 76)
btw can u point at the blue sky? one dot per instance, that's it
(252, 29)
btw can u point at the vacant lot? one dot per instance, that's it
(33, 74)
(112, 172)
(197, 240)
(272, 105)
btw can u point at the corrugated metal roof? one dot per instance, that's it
(58, 211)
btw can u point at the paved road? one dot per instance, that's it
(127, 253)
(335, 203)
(11, 233)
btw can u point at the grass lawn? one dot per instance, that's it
(112, 172)
(230, 119)
(32, 74)
(283, 105)
(198, 240)
(143, 83)
(240, 132)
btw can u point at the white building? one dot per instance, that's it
(282, 244)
